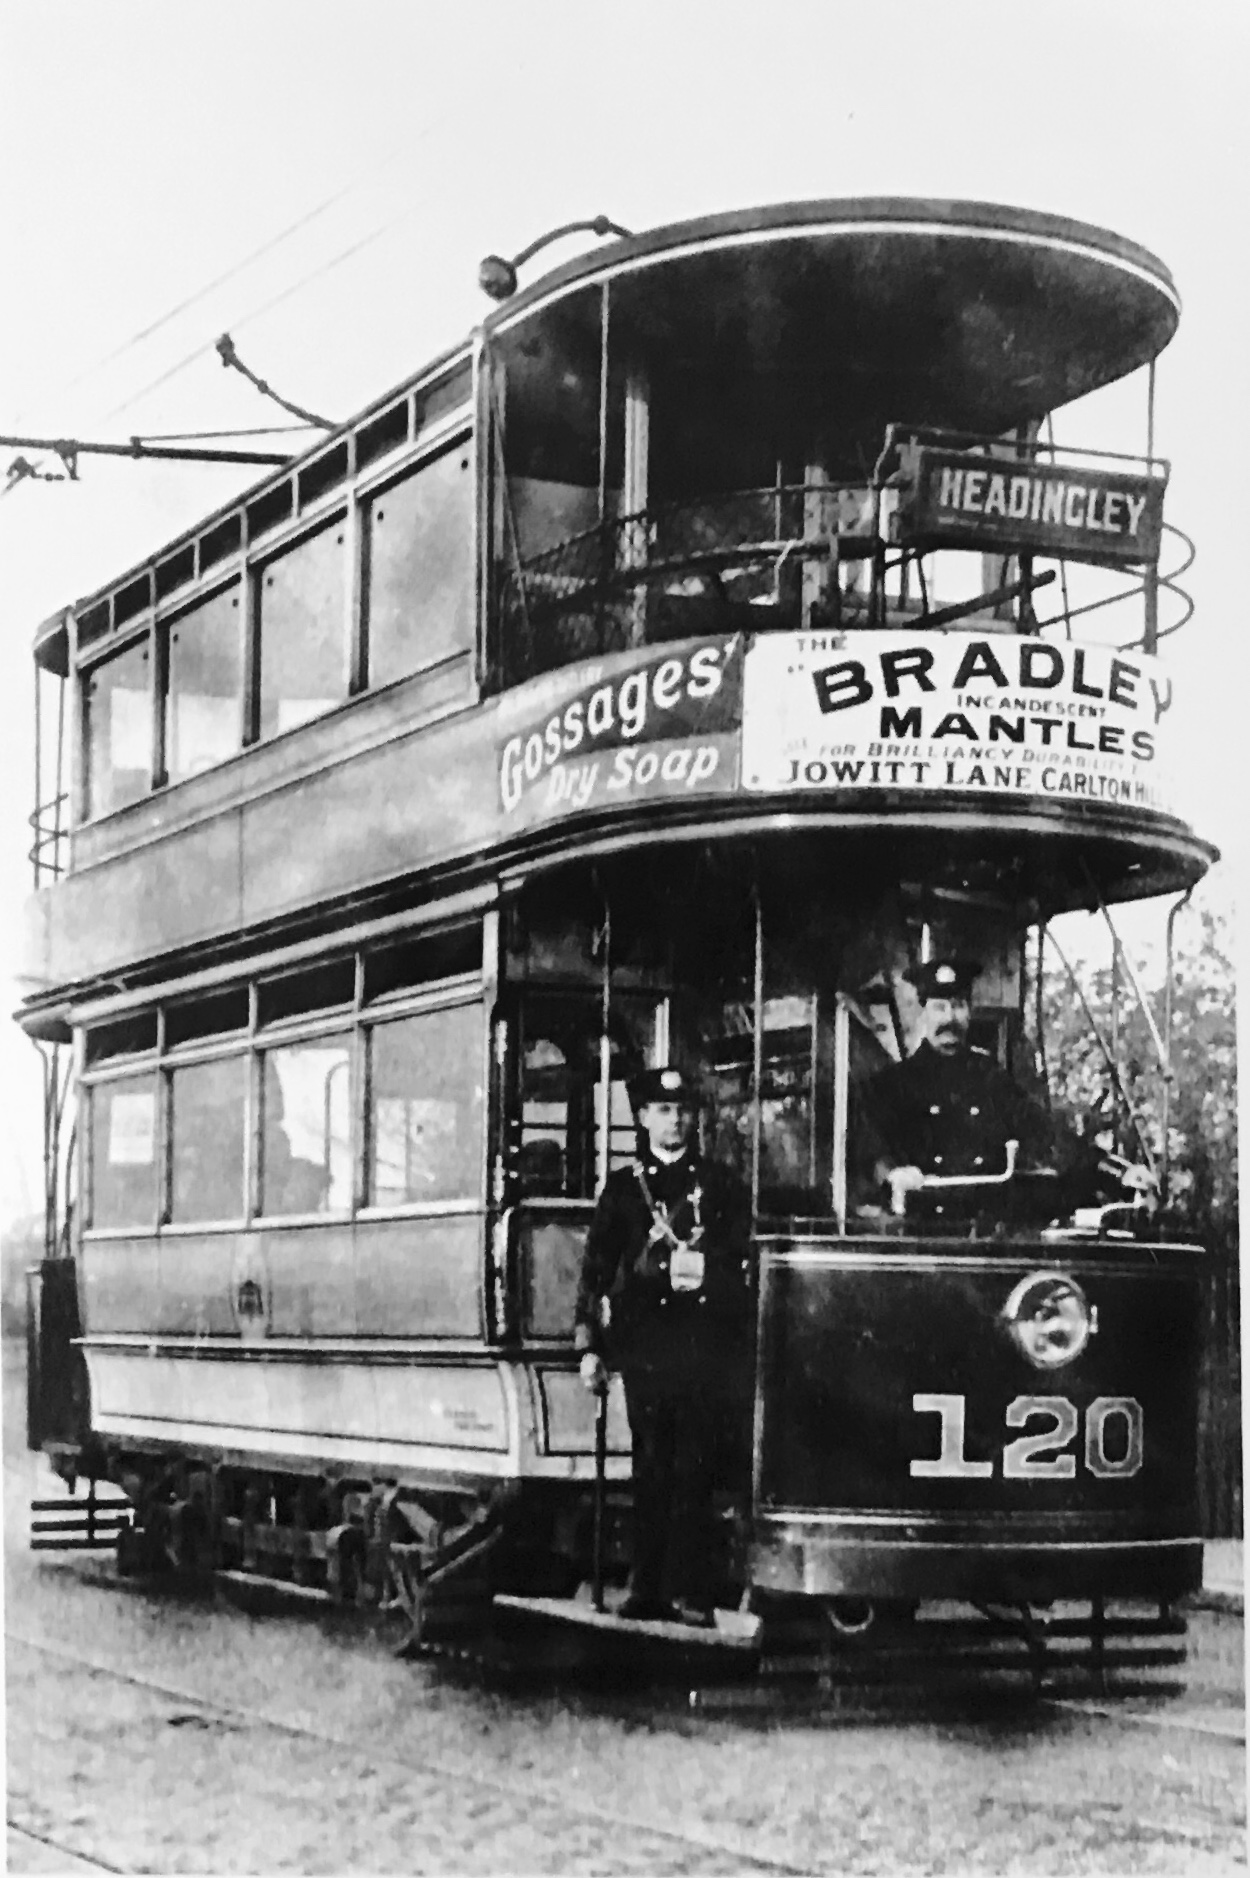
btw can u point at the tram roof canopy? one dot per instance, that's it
(964, 313)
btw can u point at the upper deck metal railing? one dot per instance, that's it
(802, 556)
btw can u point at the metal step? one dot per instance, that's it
(734, 1630)
(74, 1525)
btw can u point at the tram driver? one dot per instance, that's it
(949, 1111)
(666, 1298)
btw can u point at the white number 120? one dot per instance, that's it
(1038, 1456)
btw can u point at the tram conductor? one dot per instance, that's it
(666, 1297)
(950, 1110)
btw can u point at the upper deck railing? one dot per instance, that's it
(838, 555)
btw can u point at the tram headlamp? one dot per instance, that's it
(497, 277)
(1049, 1319)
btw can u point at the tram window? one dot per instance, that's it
(117, 705)
(320, 989)
(562, 1094)
(127, 1037)
(543, 1159)
(210, 1016)
(424, 960)
(419, 586)
(425, 1107)
(306, 1148)
(123, 1152)
(207, 1102)
(303, 654)
(204, 686)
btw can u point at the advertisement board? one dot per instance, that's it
(657, 722)
(924, 711)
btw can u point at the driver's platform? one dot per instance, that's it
(734, 1630)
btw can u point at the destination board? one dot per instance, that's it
(959, 499)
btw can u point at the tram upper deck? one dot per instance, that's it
(741, 524)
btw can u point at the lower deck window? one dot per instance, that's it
(426, 1107)
(207, 1102)
(306, 1153)
(123, 1153)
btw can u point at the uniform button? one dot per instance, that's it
(978, 1161)
(935, 1108)
(937, 1160)
(974, 1111)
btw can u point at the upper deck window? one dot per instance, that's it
(419, 586)
(117, 714)
(302, 609)
(204, 685)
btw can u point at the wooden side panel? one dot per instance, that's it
(312, 1278)
(198, 1283)
(119, 1284)
(170, 893)
(348, 1411)
(420, 1277)
(388, 812)
(374, 1278)
(569, 1413)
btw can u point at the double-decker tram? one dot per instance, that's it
(678, 672)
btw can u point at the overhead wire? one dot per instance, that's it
(266, 247)
(208, 345)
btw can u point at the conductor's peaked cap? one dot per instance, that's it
(944, 978)
(664, 1085)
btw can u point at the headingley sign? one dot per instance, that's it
(961, 499)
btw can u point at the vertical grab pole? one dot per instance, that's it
(601, 1469)
(1150, 637)
(605, 314)
(1165, 1104)
(757, 1057)
(603, 1158)
(841, 1103)
(602, 1165)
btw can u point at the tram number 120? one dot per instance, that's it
(1114, 1439)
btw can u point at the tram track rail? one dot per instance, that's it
(84, 1861)
(794, 1692)
(190, 1704)
(1218, 1716)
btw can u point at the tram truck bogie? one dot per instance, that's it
(596, 701)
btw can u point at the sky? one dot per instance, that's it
(321, 181)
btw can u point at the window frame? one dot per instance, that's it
(392, 1009)
(102, 654)
(353, 1020)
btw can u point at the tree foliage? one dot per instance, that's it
(1202, 1105)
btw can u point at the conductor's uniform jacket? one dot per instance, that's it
(637, 1307)
(666, 1297)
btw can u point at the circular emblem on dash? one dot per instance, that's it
(1049, 1319)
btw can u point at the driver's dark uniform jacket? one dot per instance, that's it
(952, 1115)
(667, 1298)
